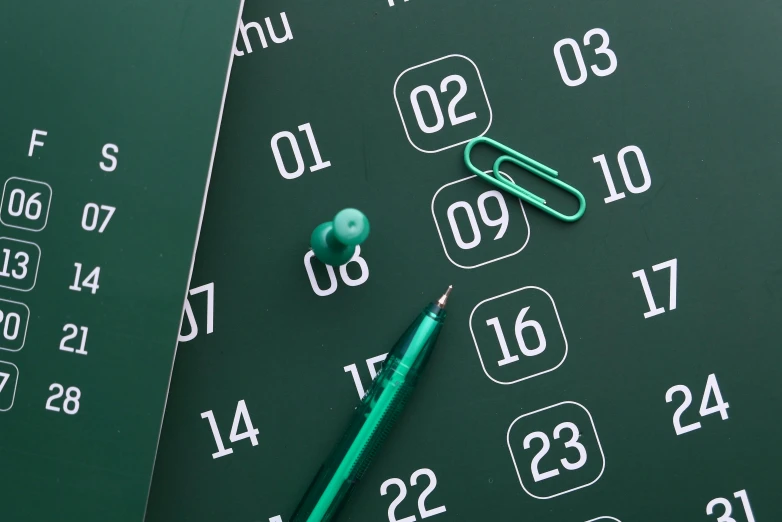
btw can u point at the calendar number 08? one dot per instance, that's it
(343, 272)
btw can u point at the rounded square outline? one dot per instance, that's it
(597, 438)
(51, 196)
(16, 383)
(561, 328)
(35, 279)
(26, 324)
(485, 95)
(442, 241)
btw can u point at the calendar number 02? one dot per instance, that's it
(439, 120)
(422, 509)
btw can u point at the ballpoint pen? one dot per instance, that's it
(374, 417)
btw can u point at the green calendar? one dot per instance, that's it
(623, 367)
(108, 119)
(620, 367)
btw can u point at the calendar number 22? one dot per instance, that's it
(422, 510)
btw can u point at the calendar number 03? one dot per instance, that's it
(582, 72)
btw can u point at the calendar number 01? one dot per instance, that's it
(284, 172)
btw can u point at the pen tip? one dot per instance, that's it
(444, 299)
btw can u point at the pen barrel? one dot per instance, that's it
(371, 422)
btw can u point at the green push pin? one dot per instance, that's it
(335, 242)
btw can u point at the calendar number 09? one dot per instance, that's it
(501, 222)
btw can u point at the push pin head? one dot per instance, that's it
(334, 242)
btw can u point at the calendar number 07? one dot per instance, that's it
(96, 217)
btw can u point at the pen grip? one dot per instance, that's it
(400, 397)
(372, 421)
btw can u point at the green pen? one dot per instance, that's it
(374, 417)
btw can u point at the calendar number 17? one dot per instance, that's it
(653, 308)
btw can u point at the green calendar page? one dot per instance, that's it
(622, 368)
(108, 118)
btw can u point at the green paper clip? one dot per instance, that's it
(529, 164)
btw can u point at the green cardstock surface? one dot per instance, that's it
(108, 116)
(668, 290)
